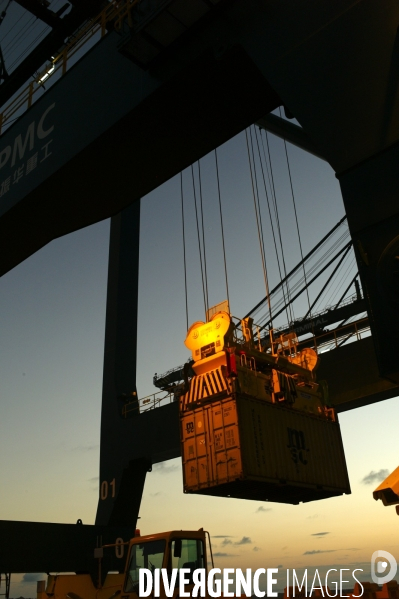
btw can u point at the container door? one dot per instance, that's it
(195, 449)
(225, 448)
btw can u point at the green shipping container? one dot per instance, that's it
(251, 449)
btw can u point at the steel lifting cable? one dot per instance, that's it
(19, 34)
(184, 246)
(274, 198)
(15, 42)
(268, 204)
(293, 271)
(325, 288)
(312, 270)
(221, 226)
(261, 240)
(311, 281)
(203, 233)
(199, 242)
(3, 50)
(338, 286)
(328, 281)
(32, 45)
(270, 213)
(346, 291)
(4, 12)
(28, 27)
(295, 212)
(319, 263)
(259, 226)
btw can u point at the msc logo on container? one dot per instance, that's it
(190, 428)
(297, 446)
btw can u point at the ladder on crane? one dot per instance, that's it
(5, 580)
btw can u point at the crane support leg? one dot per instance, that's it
(122, 478)
(370, 193)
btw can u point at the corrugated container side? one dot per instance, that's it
(253, 449)
(225, 452)
(290, 446)
(196, 442)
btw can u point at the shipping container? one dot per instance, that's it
(253, 449)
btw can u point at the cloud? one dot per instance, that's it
(256, 549)
(93, 480)
(312, 517)
(279, 566)
(33, 577)
(227, 541)
(243, 541)
(319, 551)
(219, 554)
(156, 494)
(375, 477)
(319, 534)
(162, 468)
(263, 509)
(222, 537)
(85, 448)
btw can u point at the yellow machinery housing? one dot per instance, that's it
(255, 424)
(175, 549)
(226, 362)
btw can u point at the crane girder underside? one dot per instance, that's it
(358, 385)
(276, 53)
(36, 547)
(40, 11)
(62, 28)
(254, 56)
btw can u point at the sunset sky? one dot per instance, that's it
(52, 324)
(51, 354)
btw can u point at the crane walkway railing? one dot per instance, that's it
(351, 300)
(149, 402)
(325, 342)
(336, 337)
(116, 12)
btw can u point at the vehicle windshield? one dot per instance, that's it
(147, 555)
(190, 554)
(187, 554)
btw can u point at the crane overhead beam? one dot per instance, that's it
(341, 335)
(290, 132)
(317, 324)
(58, 547)
(255, 57)
(50, 45)
(40, 10)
